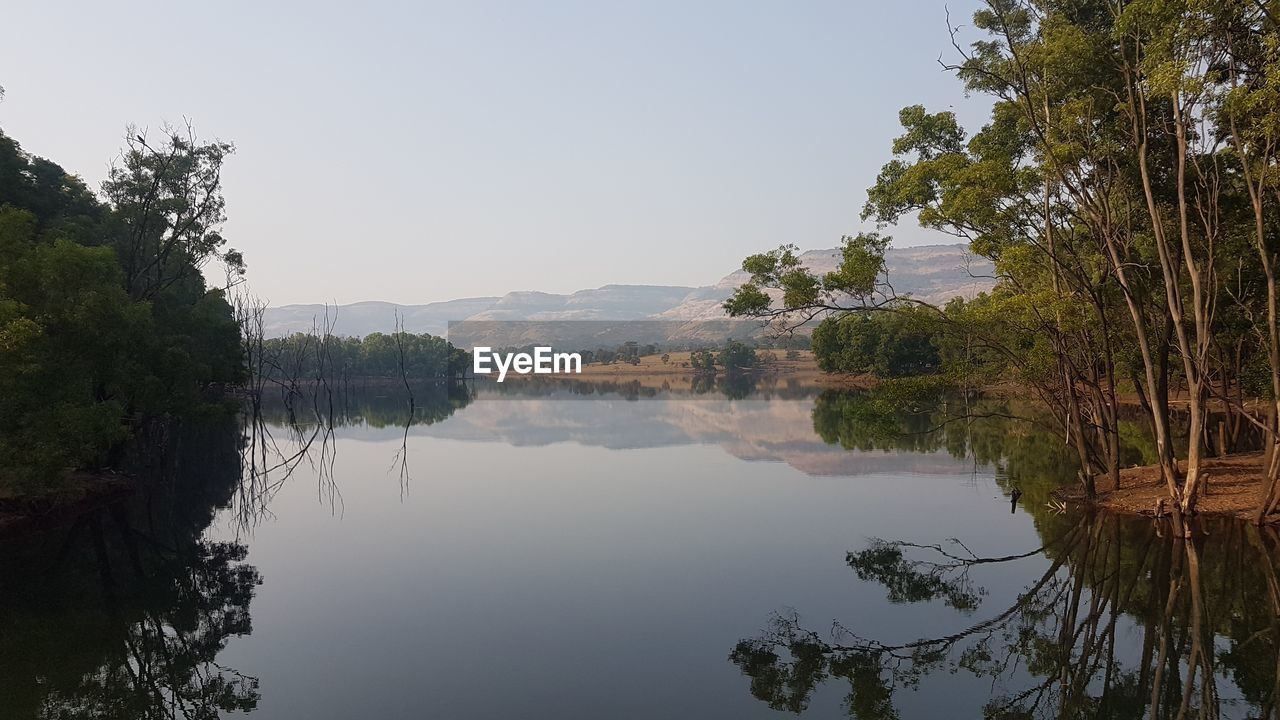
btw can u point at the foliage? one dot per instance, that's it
(304, 356)
(1125, 187)
(736, 357)
(168, 210)
(857, 280)
(889, 344)
(90, 349)
(702, 360)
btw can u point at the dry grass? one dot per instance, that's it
(678, 368)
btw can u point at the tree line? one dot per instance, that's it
(107, 325)
(377, 355)
(1125, 186)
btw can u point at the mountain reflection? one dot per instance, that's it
(1122, 623)
(809, 429)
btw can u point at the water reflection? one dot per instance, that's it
(295, 426)
(1125, 622)
(541, 495)
(379, 407)
(123, 612)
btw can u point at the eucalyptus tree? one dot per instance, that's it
(1102, 98)
(1126, 105)
(1128, 163)
(1248, 113)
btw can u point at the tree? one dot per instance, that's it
(858, 282)
(88, 356)
(1124, 173)
(702, 360)
(736, 357)
(889, 344)
(168, 209)
(401, 355)
(64, 383)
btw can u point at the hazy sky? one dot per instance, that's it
(425, 151)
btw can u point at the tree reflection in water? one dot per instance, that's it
(306, 418)
(1205, 612)
(122, 613)
(1125, 621)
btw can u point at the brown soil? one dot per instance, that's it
(1234, 488)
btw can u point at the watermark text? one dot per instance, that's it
(541, 362)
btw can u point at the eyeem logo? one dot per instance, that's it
(541, 362)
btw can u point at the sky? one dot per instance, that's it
(414, 152)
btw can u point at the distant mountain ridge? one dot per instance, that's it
(933, 273)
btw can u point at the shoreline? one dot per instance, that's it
(1233, 490)
(85, 491)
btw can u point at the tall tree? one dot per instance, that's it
(169, 208)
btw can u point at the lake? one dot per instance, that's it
(565, 550)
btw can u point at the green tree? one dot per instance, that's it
(736, 357)
(702, 360)
(893, 344)
(168, 209)
(64, 381)
(91, 348)
(858, 282)
(1112, 187)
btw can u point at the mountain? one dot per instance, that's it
(611, 302)
(362, 318)
(933, 273)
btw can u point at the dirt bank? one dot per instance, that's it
(1234, 488)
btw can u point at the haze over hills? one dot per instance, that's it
(934, 273)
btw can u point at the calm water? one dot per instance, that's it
(550, 552)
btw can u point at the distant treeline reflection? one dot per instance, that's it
(376, 405)
(386, 403)
(734, 386)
